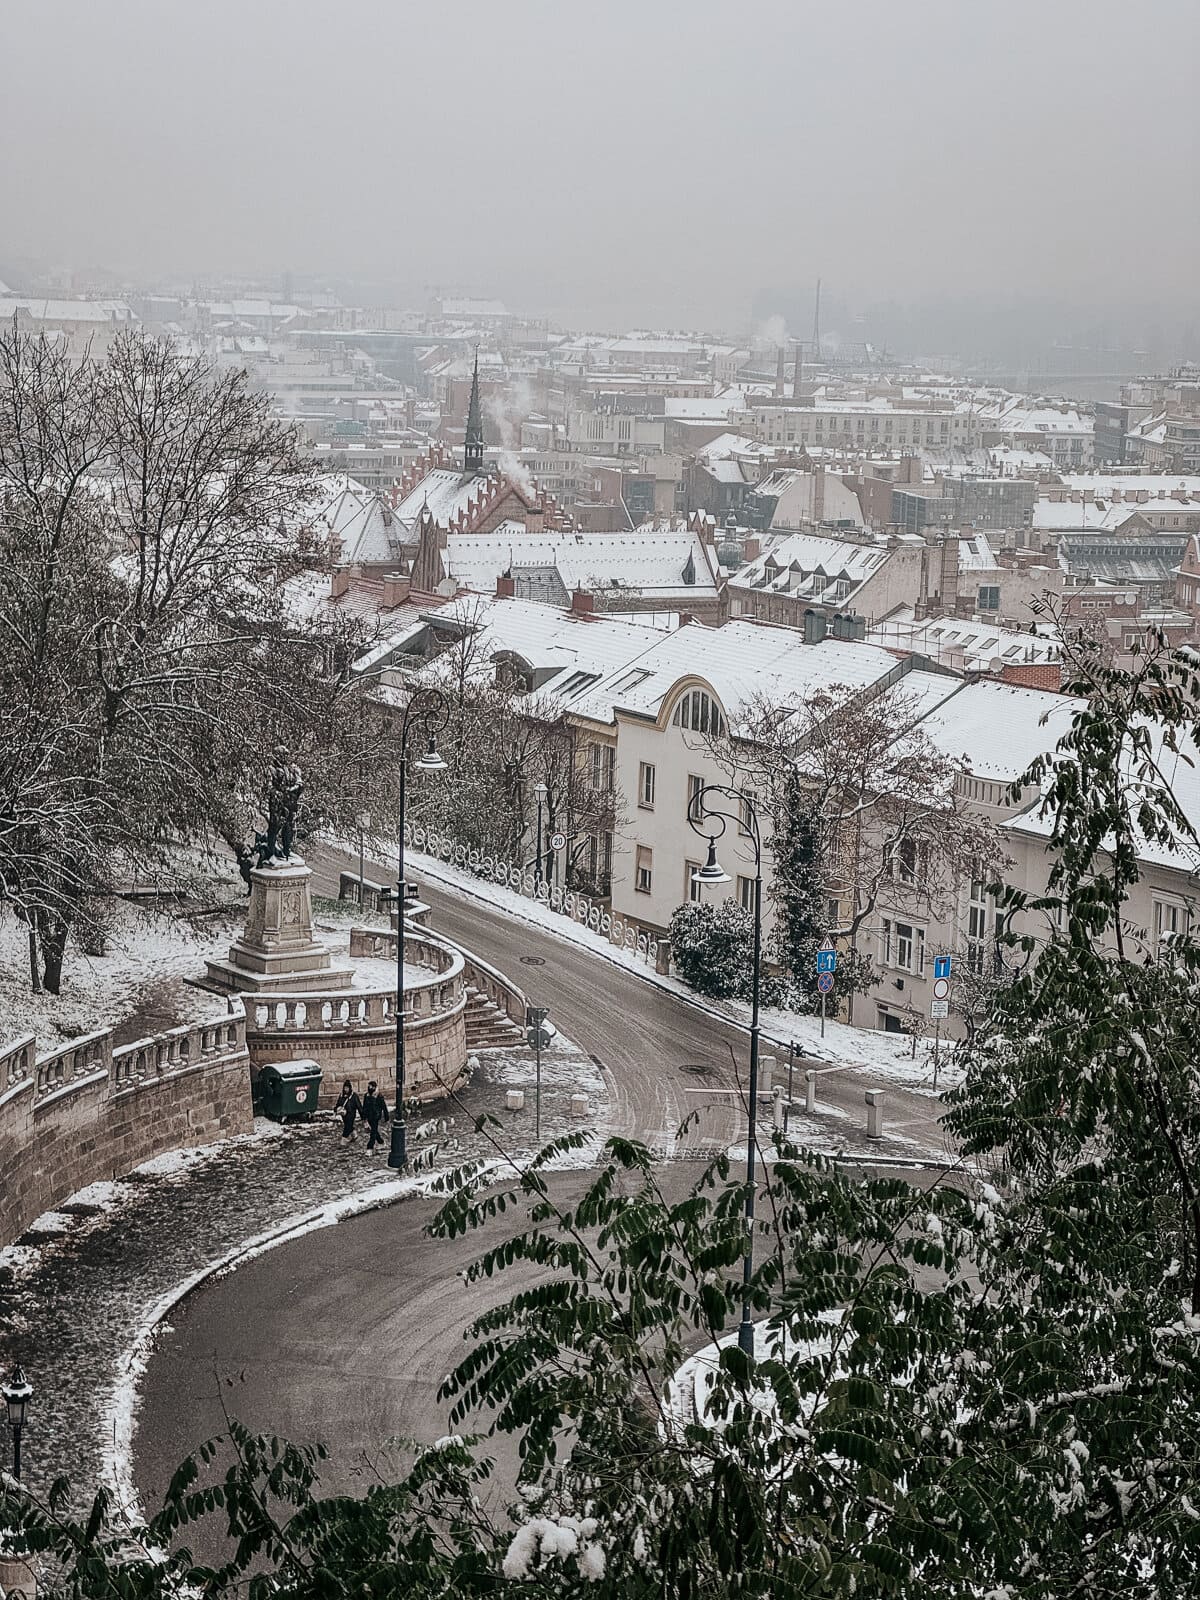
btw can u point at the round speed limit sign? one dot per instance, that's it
(558, 841)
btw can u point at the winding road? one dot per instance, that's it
(343, 1335)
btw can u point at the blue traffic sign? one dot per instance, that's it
(826, 960)
(942, 966)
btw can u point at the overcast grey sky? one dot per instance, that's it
(619, 161)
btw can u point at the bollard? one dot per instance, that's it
(579, 1105)
(874, 1098)
(514, 1099)
(777, 1107)
(766, 1071)
(810, 1091)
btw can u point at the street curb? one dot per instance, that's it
(117, 1459)
(654, 979)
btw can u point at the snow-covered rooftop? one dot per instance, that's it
(1180, 770)
(999, 728)
(42, 310)
(673, 566)
(790, 566)
(444, 491)
(979, 646)
(1105, 516)
(740, 662)
(1016, 414)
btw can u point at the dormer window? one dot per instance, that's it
(698, 712)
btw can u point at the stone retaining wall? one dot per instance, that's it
(354, 1036)
(86, 1112)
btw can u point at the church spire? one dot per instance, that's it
(473, 454)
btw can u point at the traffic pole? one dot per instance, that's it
(537, 1092)
(937, 1046)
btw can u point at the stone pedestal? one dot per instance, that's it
(277, 953)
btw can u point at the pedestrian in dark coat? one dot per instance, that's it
(374, 1111)
(348, 1107)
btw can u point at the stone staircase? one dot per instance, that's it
(488, 1027)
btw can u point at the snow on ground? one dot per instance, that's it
(146, 980)
(688, 1393)
(141, 978)
(885, 1055)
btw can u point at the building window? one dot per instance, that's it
(977, 915)
(1170, 921)
(908, 861)
(599, 861)
(693, 891)
(989, 597)
(745, 893)
(695, 805)
(646, 786)
(903, 946)
(746, 812)
(699, 713)
(644, 879)
(603, 766)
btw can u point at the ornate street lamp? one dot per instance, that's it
(17, 1392)
(541, 791)
(428, 708)
(700, 815)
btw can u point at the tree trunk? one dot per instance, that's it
(35, 976)
(54, 944)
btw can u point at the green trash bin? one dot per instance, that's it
(290, 1089)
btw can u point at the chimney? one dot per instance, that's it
(583, 603)
(506, 586)
(535, 518)
(779, 371)
(949, 573)
(396, 588)
(339, 582)
(818, 499)
(753, 548)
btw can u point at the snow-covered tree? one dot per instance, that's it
(711, 948)
(150, 509)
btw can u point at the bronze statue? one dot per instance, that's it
(283, 802)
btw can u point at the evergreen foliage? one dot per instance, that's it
(712, 948)
(798, 890)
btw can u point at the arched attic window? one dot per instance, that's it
(513, 672)
(698, 712)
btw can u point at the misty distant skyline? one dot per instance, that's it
(649, 163)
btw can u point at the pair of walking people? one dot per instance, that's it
(371, 1107)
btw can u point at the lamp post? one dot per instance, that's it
(428, 708)
(17, 1392)
(700, 816)
(541, 791)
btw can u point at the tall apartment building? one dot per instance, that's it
(861, 426)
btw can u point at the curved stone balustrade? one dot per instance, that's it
(180, 1049)
(16, 1064)
(351, 1032)
(86, 1110)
